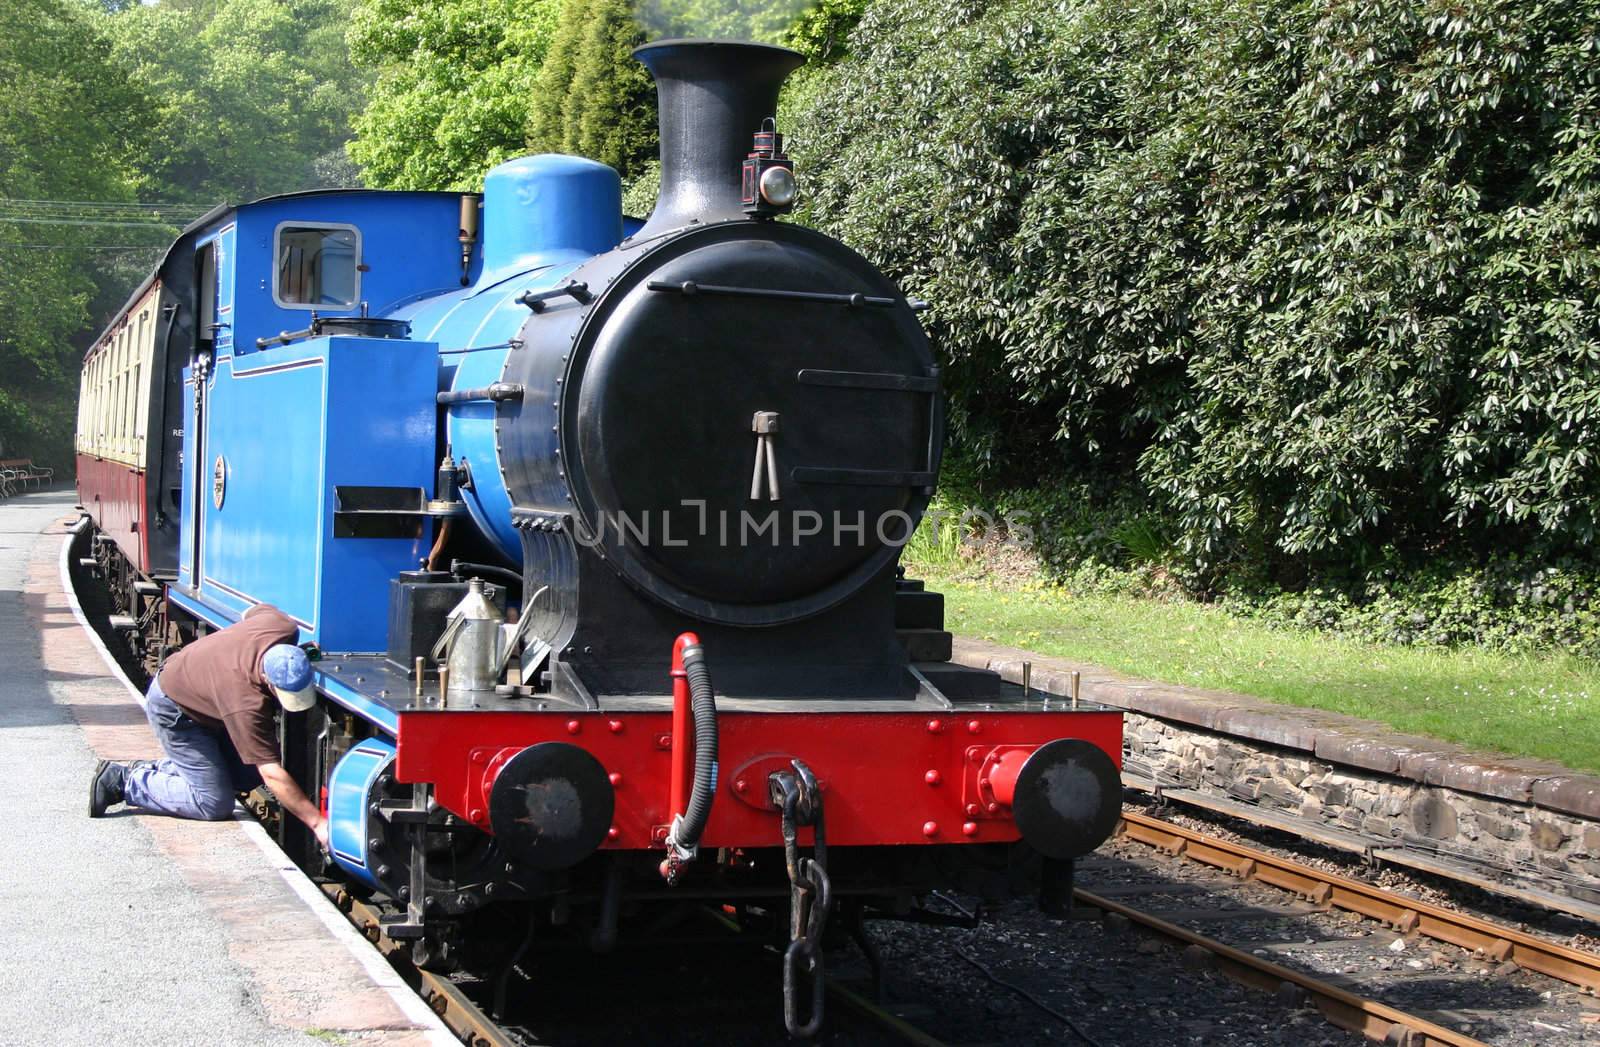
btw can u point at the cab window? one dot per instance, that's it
(318, 266)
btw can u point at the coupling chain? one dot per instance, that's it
(810, 897)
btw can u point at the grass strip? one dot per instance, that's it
(1545, 706)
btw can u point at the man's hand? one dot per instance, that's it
(295, 801)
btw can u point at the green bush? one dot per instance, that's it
(639, 196)
(1508, 604)
(1312, 280)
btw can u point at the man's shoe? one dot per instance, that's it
(105, 788)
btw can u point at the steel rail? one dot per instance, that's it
(446, 999)
(866, 1008)
(477, 1029)
(1330, 890)
(1374, 1020)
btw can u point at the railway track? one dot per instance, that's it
(476, 1027)
(858, 1018)
(1347, 1010)
(454, 1007)
(1315, 890)
(867, 1020)
(1532, 989)
(1406, 915)
(878, 1023)
(1342, 1005)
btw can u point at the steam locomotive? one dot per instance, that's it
(596, 525)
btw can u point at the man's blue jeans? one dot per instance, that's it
(201, 773)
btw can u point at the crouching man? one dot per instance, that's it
(214, 706)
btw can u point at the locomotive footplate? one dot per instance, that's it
(896, 772)
(375, 689)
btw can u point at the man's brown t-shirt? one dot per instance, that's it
(217, 680)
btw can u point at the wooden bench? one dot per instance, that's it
(17, 473)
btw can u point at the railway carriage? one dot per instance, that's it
(595, 524)
(121, 418)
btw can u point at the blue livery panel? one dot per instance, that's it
(283, 430)
(405, 246)
(265, 430)
(186, 495)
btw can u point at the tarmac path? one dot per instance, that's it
(137, 929)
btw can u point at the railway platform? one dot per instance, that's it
(135, 929)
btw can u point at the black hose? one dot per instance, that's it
(506, 574)
(703, 703)
(1077, 1030)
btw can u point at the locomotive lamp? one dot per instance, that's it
(769, 184)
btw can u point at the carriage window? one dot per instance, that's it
(317, 267)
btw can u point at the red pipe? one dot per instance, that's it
(682, 729)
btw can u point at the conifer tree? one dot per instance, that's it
(547, 124)
(594, 99)
(610, 112)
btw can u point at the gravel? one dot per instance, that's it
(1113, 984)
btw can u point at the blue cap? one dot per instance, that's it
(286, 667)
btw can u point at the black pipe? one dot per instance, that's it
(506, 574)
(496, 392)
(703, 702)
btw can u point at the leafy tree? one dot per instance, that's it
(185, 101)
(70, 123)
(456, 84)
(612, 104)
(248, 95)
(640, 195)
(1320, 279)
(821, 33)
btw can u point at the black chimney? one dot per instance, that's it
(713, 96)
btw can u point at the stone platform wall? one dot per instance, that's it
(1529, 822)
(1385, 809)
